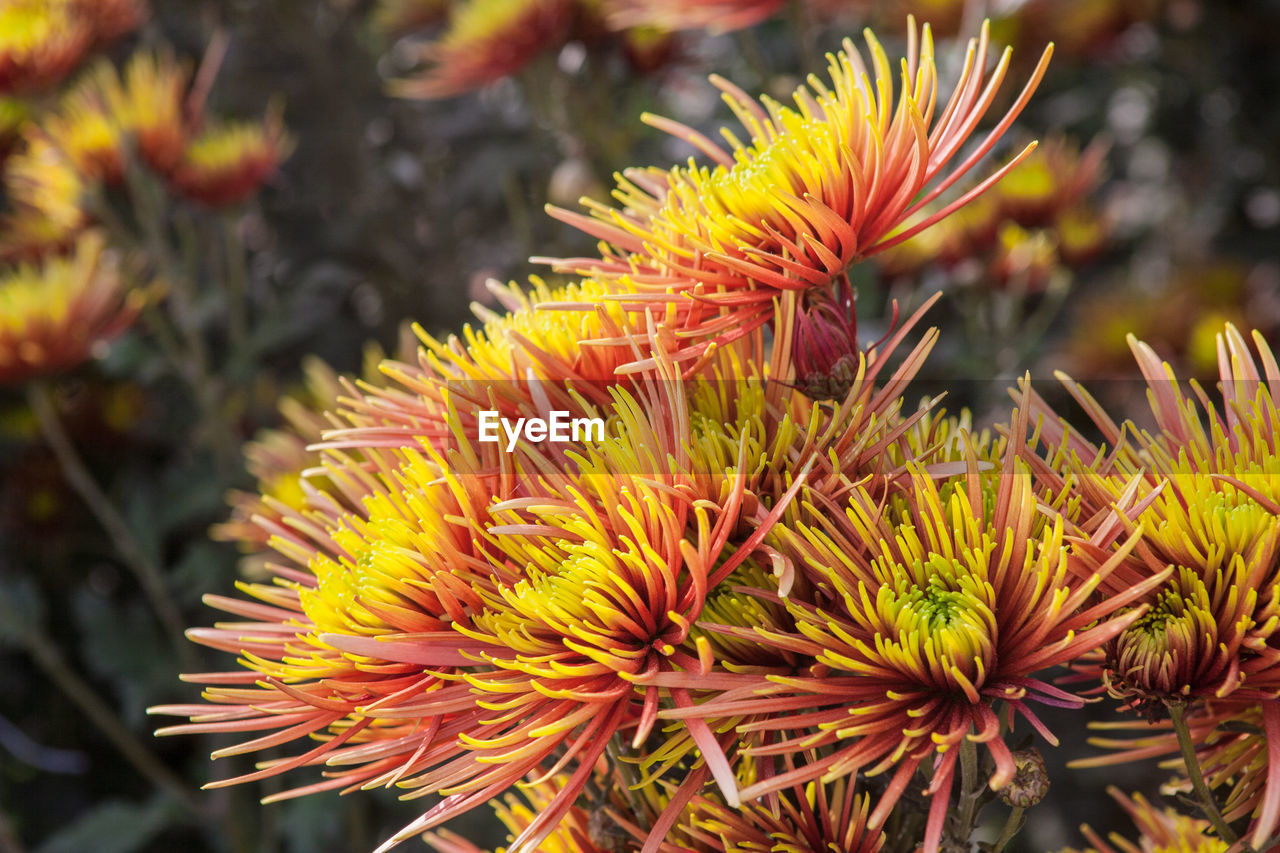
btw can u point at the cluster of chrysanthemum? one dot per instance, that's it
(66, 154)
(1033, 226)
(769, 604)
(107, 120)
(61, 292)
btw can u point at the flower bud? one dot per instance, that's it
(1030, 781)
(825, 348)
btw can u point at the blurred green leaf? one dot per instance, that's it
(204, 567)
(121, 643)
(116, 826)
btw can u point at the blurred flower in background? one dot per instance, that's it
(57, 312)
(1158, 830)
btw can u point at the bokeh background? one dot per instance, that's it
(1153, 208)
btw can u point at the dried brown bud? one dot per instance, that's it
(1030, 781)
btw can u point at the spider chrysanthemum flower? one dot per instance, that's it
(52, 315)
(1212, 510)
(226, 164)
(47, 193)
(813, 818)
(483, 616)
(41, 41)
(1159, 831)
(930, 613)
(1210, 499)
(83, 129)
(279, 459)
(840, 176)
(577, 831)
(146, 102)
(486, 40)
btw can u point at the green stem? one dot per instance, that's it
(148, 574)
(969, 769)
(194, 362)
(237, 285)
(626, 774)
(1208, 805)
(1011, 828)
(970, 790)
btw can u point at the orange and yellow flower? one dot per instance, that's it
(486, 40)
(53, 315)
(147, 102)
(86, 133)
(464, 629)
(41, 41)
(813, 818)
(1159, 831)
(930, 609)
(47, 197)
(226, 164)
(1207, 483)
(844, 174)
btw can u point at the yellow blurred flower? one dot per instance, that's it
(41, 41)
(83, 129)
(46, 195)
(486, 40)
(53, 315)
(226, 164)
(1160, 831)
(146, 102)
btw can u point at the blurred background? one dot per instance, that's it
(391, 158)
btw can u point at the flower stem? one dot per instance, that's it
(625, 774)
(970, 786)
(237, 284)
(135, 556)
(153, 218)
(1011, 828)
(1177, 715)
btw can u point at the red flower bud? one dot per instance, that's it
(824, 348)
